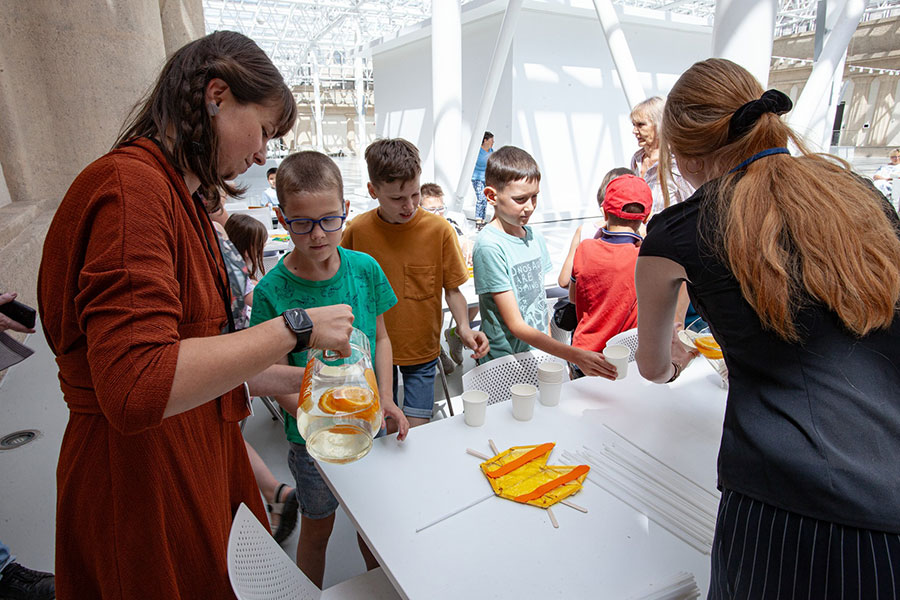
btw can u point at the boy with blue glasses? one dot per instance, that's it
(317, 272)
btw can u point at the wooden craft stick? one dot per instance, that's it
(477, 454)
(455, 512)
(494, 447)
(573, 505)
(553, 518)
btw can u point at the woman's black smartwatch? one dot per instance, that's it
(299, 322)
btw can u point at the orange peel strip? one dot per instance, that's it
(525, 458)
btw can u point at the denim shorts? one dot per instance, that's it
(418, 389)
(316, 500)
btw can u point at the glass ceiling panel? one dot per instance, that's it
(300, 35)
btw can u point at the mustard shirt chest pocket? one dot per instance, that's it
(418, 282)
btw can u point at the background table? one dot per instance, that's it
(501, 549)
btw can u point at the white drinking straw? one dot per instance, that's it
(455, 512)
(635, 494)
(681, 586)
(645, 501)
(651, 457)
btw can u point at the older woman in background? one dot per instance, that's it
(794, 261)
(645, 118)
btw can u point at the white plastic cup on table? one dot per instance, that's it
(550, 379)
(523, 398)
(474, 407)
(617, 355)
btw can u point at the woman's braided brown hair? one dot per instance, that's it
(174, 111)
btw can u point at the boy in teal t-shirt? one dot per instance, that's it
(319, 273)
(510, 260)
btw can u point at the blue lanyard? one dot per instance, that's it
(759, 155)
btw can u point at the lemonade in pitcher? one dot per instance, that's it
(707, 345)
(339, 412)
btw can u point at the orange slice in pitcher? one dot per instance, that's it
(373, 383)
(708, 347)
(348, 399)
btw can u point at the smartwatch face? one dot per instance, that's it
(299, 320)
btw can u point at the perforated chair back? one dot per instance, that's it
(257, 566)
(263, 215)
(496, 376)
(626, 338)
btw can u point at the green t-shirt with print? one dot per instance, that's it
(359, 282)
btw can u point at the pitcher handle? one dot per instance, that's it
(331, 355)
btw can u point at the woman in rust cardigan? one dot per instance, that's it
(133, 295)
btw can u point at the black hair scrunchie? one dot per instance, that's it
(744, 118)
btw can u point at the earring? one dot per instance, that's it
(212, 109)
(697, 163)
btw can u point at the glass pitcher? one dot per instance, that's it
(339, 412)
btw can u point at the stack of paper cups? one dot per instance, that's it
(523, 396)
(550, 379)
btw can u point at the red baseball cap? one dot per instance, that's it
(628, 189)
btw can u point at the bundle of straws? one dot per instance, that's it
(680, 586)
(645, 483)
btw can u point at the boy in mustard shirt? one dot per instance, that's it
(419, 254)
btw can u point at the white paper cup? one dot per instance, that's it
(523, 397)
(617, 356)
(474, 407)
(551, 372)
(550, 392)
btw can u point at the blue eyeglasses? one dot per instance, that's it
(305, 226)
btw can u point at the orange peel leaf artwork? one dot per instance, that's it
(522, 474)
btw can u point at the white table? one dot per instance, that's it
(501, 549)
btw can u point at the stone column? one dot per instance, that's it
(68, 77)
(182, 22)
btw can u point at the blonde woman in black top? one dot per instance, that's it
(794, 261)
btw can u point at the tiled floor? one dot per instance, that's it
(30, 398)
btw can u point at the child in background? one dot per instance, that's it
(281, 501)
(249, 237)
(588, 231)
(421, 258)
(883, 177)
(510, 262)
(433, 201)
(270, 197)
(317, 272)
(602, 285)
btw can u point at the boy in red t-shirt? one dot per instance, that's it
(602, 284)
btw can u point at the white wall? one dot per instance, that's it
(402, 91)
(570, 111)
(559, 97)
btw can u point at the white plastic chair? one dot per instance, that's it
(263, 215)
(626, 338)
(259, 569)
(496, 376)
